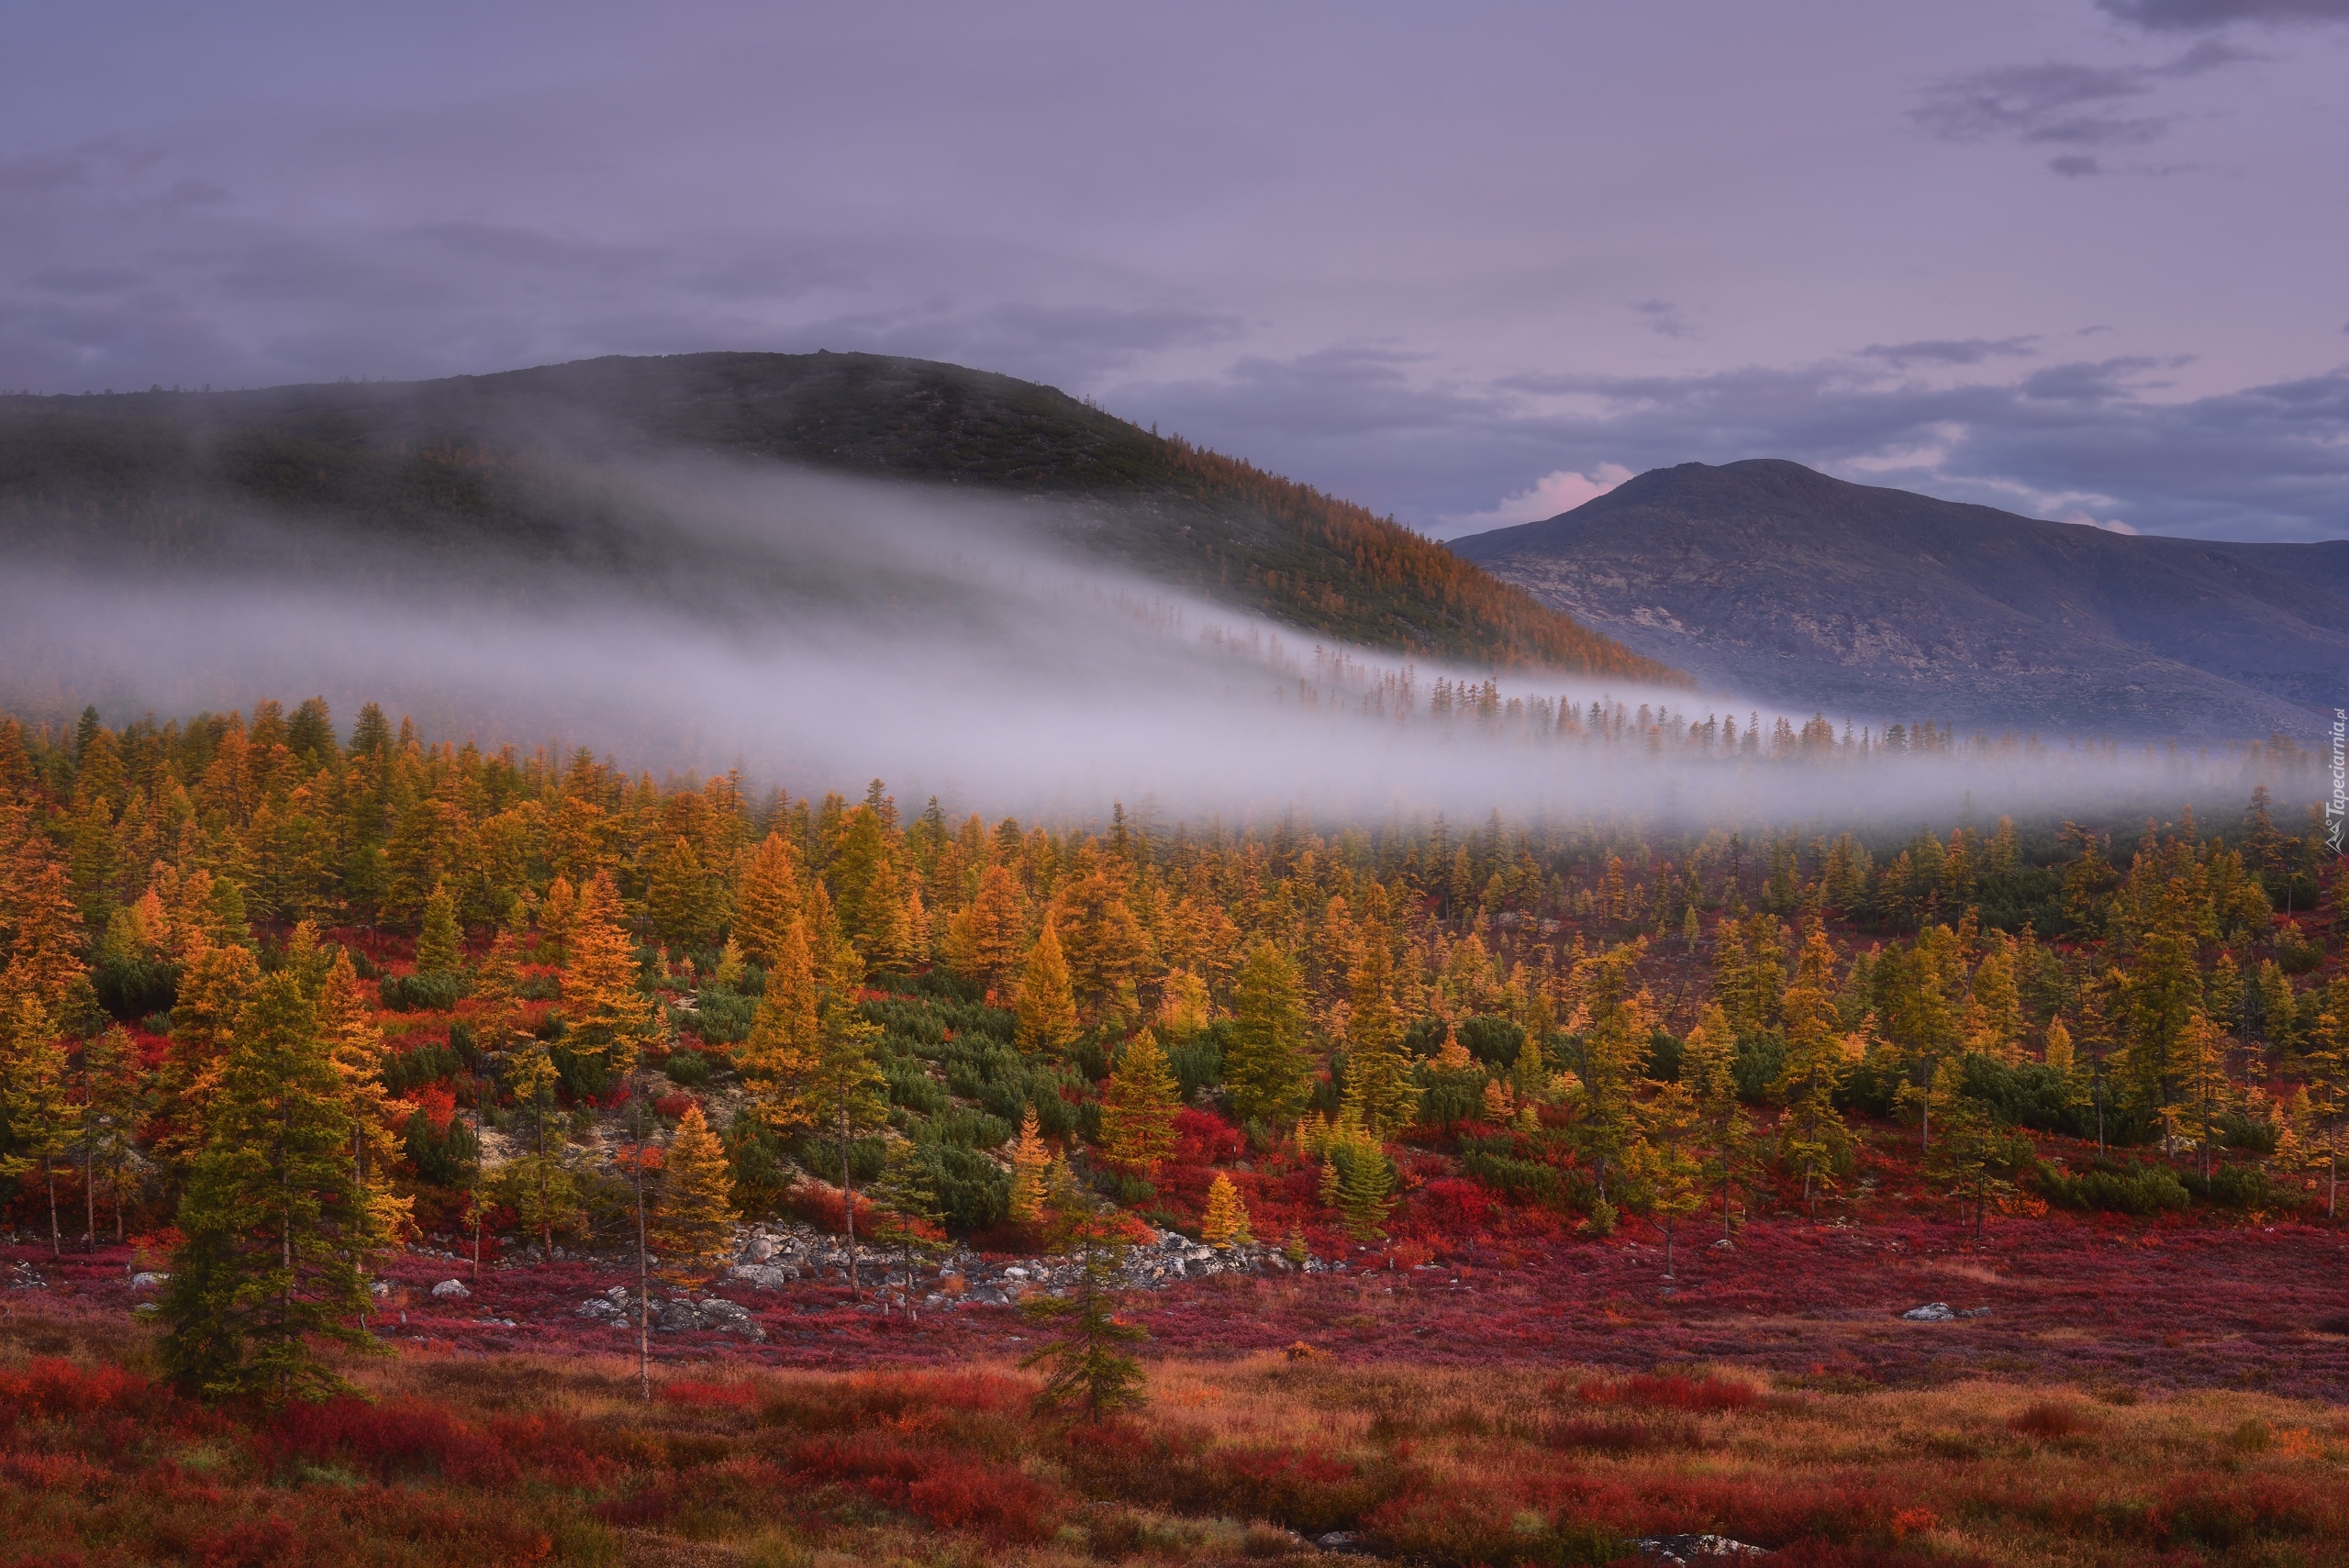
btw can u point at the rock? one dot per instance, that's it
(678, 1317)
(759, 1250)
(1689, 1550)
(147, 1281)
(380, 1289)
(730, 1317)
(1976, 1312)
(1343, 1542)
(450, 1290)
(766, 1276)
(1932, 1312)
(598, 1307)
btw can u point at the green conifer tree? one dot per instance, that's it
(1266, 1067)
(440, 946)
(277, 1231)
(1088, 1374)
(1138, 1106)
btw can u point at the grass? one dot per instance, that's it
(523, 1459)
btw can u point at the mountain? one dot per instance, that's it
(1768, 578)
(454, 471)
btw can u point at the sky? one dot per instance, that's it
(2081, 259)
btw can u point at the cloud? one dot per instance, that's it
(940, 641)
(1553, 493)
(1951, 351)
(2063, 103)
(2109, 525)
(2265, 461)
(2179, 15)
(1663, 318)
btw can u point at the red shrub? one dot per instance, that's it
(59, 1390)
(675, 1105)
(1458, 1524)
(998, 1501)
(438, 1104)
(1304, 1490)
(1202, 1138)
(388, 1442)
(947, 1489)
(821, 1206)
(558, 1447)
(1449, 1205)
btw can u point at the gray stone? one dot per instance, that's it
(450, 1290)
(151, 1281)
(766, 1276)
(1932, 1312)
(1687, 1550)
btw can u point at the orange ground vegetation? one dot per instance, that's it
(522, 1459)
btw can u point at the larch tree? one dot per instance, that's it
(1029, 1161)
(1267, 1067)
(1667, 1164)
(1708, 1066)
(114, 1106)
(215, 982)
(993, 931)
(846, 1092)
(1047, 1012)
(1378, 1069)
(1138, 1106)
(355, 1045)
(36, 1107)
(907, 1196)
(1106, 949)
(1970, 1155)
(277, 1230)
(1812, 1133)
(767, 900)
(439, 945)
(692, 1214)
(1616, 1022)
(1363, 1193)
(1224, 1225)
(543, 1186)
(778, 1058)
(611, 1020)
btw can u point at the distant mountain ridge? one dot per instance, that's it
(1767, 577)
(447, 470)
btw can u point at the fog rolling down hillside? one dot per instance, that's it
(544, 465)
(1766, 577)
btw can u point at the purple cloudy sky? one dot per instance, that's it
(2085, 258)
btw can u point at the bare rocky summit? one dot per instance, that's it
(1768, 579)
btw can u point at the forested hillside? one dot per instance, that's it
(534, 461)
(389, 1041)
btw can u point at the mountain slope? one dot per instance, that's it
(475, 462)
(1766, 577)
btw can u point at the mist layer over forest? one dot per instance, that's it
(819, 630)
